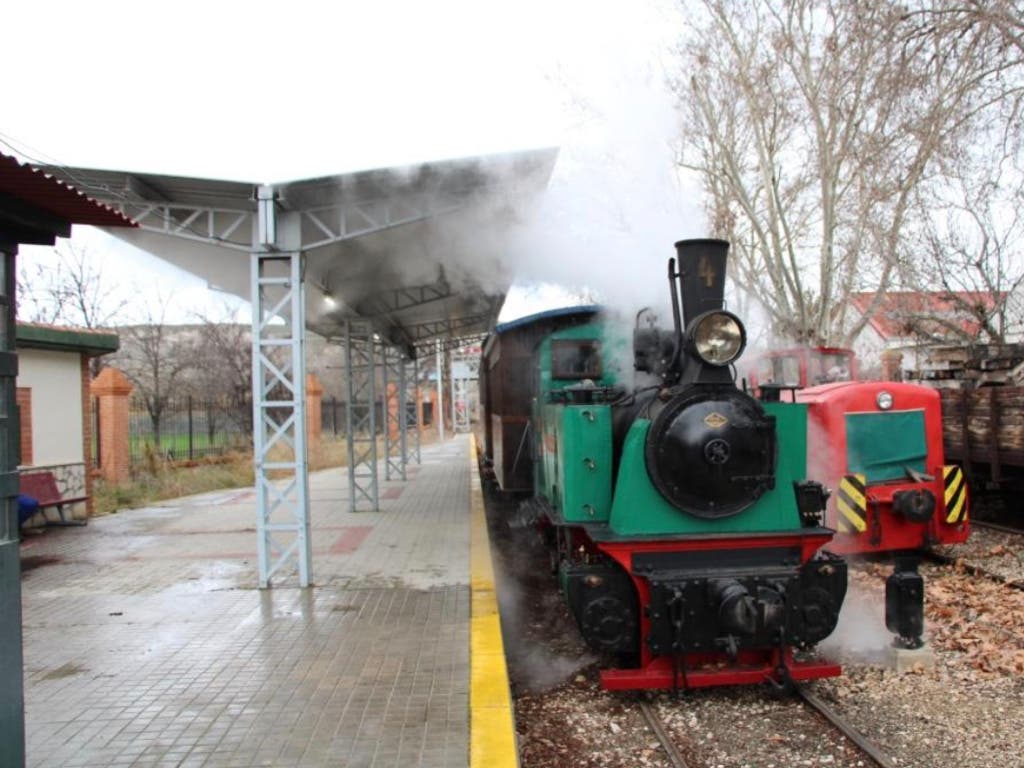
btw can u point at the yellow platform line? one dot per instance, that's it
(492, 739)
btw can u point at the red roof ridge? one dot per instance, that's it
(894, 308)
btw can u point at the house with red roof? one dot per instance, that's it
(909, 322)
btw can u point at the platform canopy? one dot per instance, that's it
(420, 252)
(386, 261)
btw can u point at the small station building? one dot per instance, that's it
(55, 406)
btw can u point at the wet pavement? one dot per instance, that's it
(147, 642)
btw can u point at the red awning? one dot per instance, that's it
(23, 182)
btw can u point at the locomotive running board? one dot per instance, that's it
(659, 674)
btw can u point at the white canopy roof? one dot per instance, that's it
(422, 252)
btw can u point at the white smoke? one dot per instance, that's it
(860, 634)
(616, 203)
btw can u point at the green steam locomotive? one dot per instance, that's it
(687, 539)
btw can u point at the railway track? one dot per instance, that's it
(977, 569)
(997, 527)
(973, 568)
(871, 750)
(868, 747)
(674, 756)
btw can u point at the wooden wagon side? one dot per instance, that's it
(984, 431)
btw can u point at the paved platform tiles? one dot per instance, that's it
(148, 644)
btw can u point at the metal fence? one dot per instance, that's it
(333, 413)
(332, 417)
(189, 428)
(192, 428)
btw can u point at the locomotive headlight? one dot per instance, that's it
(718, 337)
(884, 400)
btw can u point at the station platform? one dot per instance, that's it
(147, 642)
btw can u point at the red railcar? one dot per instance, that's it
(879, 446)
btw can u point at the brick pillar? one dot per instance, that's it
(892, 363)
(113, 390)
(87, 425)
(433, 408)
(24, 399)
(314, 411)
(391, 400)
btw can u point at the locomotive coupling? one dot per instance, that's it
(917, 505)
(741, 613)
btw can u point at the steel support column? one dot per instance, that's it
(460, 403)
(464, 373)
(439, 416)
(411, 426)
(361, 415)
(12, 702)
(448, 360)
(279, 416)
(394, 413)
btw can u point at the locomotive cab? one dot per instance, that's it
(799, 367)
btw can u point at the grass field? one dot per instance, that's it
(156, 479)
(176, 446)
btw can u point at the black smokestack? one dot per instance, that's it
(701, 275)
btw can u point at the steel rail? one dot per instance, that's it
(997, 527)
(865, 744)
(654, 723)
(974, 570)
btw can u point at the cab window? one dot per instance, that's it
(831, 367)
(787, 370)
(576, 359)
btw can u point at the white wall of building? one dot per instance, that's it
(56, 382)
(1015, 316)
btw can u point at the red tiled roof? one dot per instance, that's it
(49, 194)
(897, 308)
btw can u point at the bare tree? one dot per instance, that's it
(970, 240)
(969, 237)
(155, 360)
(813, 125)
(958, 17)
(222, 375)
(74, 292)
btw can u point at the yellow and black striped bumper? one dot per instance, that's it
(955, 494)
(852, 504)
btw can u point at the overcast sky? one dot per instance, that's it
(265, 92)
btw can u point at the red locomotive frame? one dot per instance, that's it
(704, 670)
(881, 528)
